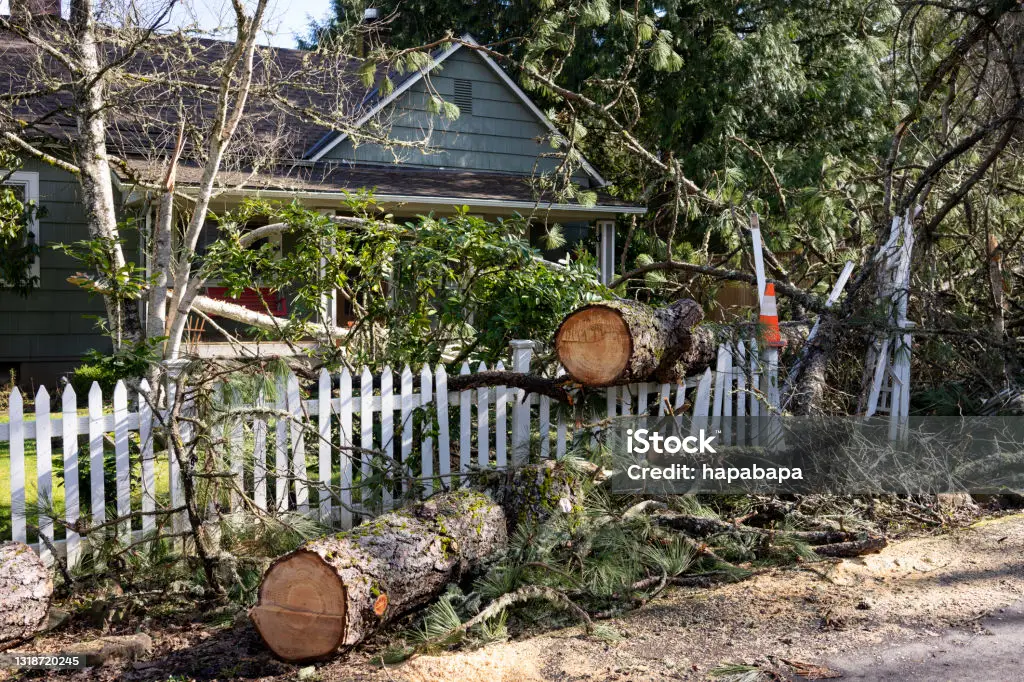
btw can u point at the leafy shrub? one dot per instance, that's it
(131, 362)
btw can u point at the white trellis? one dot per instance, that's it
(888, 359)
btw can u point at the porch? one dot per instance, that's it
(404, 193)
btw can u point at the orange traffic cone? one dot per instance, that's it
(772, 335)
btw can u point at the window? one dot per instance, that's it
(463, 97)
(26, 189)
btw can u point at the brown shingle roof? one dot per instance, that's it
(175, 78)
(405, 181)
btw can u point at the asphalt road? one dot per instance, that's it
(993, 653)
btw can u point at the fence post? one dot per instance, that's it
(522, 353)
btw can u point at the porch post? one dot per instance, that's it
(328, 302)
(606, 250)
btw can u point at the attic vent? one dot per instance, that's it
(463, 97)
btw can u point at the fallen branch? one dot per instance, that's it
(525, 594)
(832, 543)
(233, 311)
(868, 545)
(531, 383)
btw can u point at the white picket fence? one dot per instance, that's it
(420, 425)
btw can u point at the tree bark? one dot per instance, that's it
(620, 342)
(25, 591)
(809, 390)
(94, 164)
(238, 313)
(338, 590)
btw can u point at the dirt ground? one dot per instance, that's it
(912, 591)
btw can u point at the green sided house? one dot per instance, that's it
(488, 159)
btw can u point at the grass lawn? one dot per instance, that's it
(161, 475)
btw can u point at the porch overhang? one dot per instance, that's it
(413, 190)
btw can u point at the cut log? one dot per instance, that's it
(336, 591)
(533, 493)
(621, 342)
(25, 590)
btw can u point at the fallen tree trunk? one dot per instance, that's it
(620, 342)
(25, 591)
(335, 591)
(239, 313)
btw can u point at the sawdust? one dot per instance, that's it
(511, 663)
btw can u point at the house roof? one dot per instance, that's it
(395, 184)
(374, 103)
(291, 89)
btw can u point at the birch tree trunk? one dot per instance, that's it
(233, 92)
(94, 164)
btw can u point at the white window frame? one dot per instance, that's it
(30, 181)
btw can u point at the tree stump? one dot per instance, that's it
(337, 590)
(25, 591)
(620, 342)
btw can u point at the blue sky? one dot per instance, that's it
(285, 20)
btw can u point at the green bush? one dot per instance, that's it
(131, 362)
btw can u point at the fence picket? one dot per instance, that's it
(627, 400)
(677, 407)
(444, 448)
(406, 428)
(643, 391)
(501, 422)
(281, 446)
(324, 444)
(465, 424)
(122, 465)
(544, 427)
(259, 452)
(345, 438)
(298, 436)
(755, 393)
(44, 474)
(483, 420)
(173, 466)
(73, 543)
(387, 434)
(146, 455)
(365, 433)
(663, 399)
(427, 441)
(701, 402)
(719, 394)
(727, 396)
(611, 398)
(235, 444)
(771, 363)
(741, 393)
(96, 493)
(560, 444)
(15, 410)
